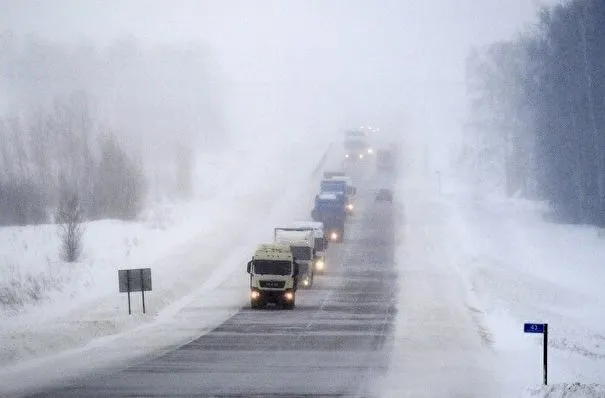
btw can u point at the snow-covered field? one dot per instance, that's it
(473, 270)
(77, 320)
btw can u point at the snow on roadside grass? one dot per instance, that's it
(572, 390)
(520, 268)
(182, 253)
(31, 271)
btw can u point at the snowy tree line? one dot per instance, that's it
(538, 108)
(59, 149)
(113, 125)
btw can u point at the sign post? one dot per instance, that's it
(134, 280)
(128, 287)
(142, 290)
(543, 329)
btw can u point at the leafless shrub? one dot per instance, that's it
(70, 228)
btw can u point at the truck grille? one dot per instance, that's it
(272, 284)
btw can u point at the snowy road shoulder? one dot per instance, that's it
(441, 347)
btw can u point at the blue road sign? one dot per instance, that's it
(533, 328)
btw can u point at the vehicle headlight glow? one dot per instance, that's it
(347, 155)
(350, 206)
(254, 295)
(333, 236)
(319, 264)
(289, 296)
(306, 282)
(361, 156)
(370, 151)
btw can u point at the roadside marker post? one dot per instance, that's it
(543, 329)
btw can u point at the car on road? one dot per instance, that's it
(384, 195)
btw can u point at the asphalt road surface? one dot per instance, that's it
(334, 343)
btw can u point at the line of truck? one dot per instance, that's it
(298, 250)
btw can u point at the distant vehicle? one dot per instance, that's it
(339, 186)
(273, 276)
(329, 209)
(321, 243)
(356, 145)
(302, 245)
(384, 195)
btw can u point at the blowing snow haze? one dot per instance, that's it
(293, 253)
(289, 65)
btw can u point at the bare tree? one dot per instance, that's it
(70, 228)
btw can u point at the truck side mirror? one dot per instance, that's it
(249, 267)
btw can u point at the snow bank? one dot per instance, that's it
(575, 390)
(524, 269)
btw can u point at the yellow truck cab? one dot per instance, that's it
(273, 276)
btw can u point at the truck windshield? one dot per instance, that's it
(269, 267)
(301, 252)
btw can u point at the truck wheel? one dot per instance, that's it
(290, 305)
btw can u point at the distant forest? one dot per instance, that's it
(112, 126)
(538, 109)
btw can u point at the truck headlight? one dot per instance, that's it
(333, 236)
(319, 264)
(289, 296)
(350, 206)
(347, 155)
(370, 151)
(361, 156)
(305, 282)
(254, 295)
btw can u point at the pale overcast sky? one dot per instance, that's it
(357, 55)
